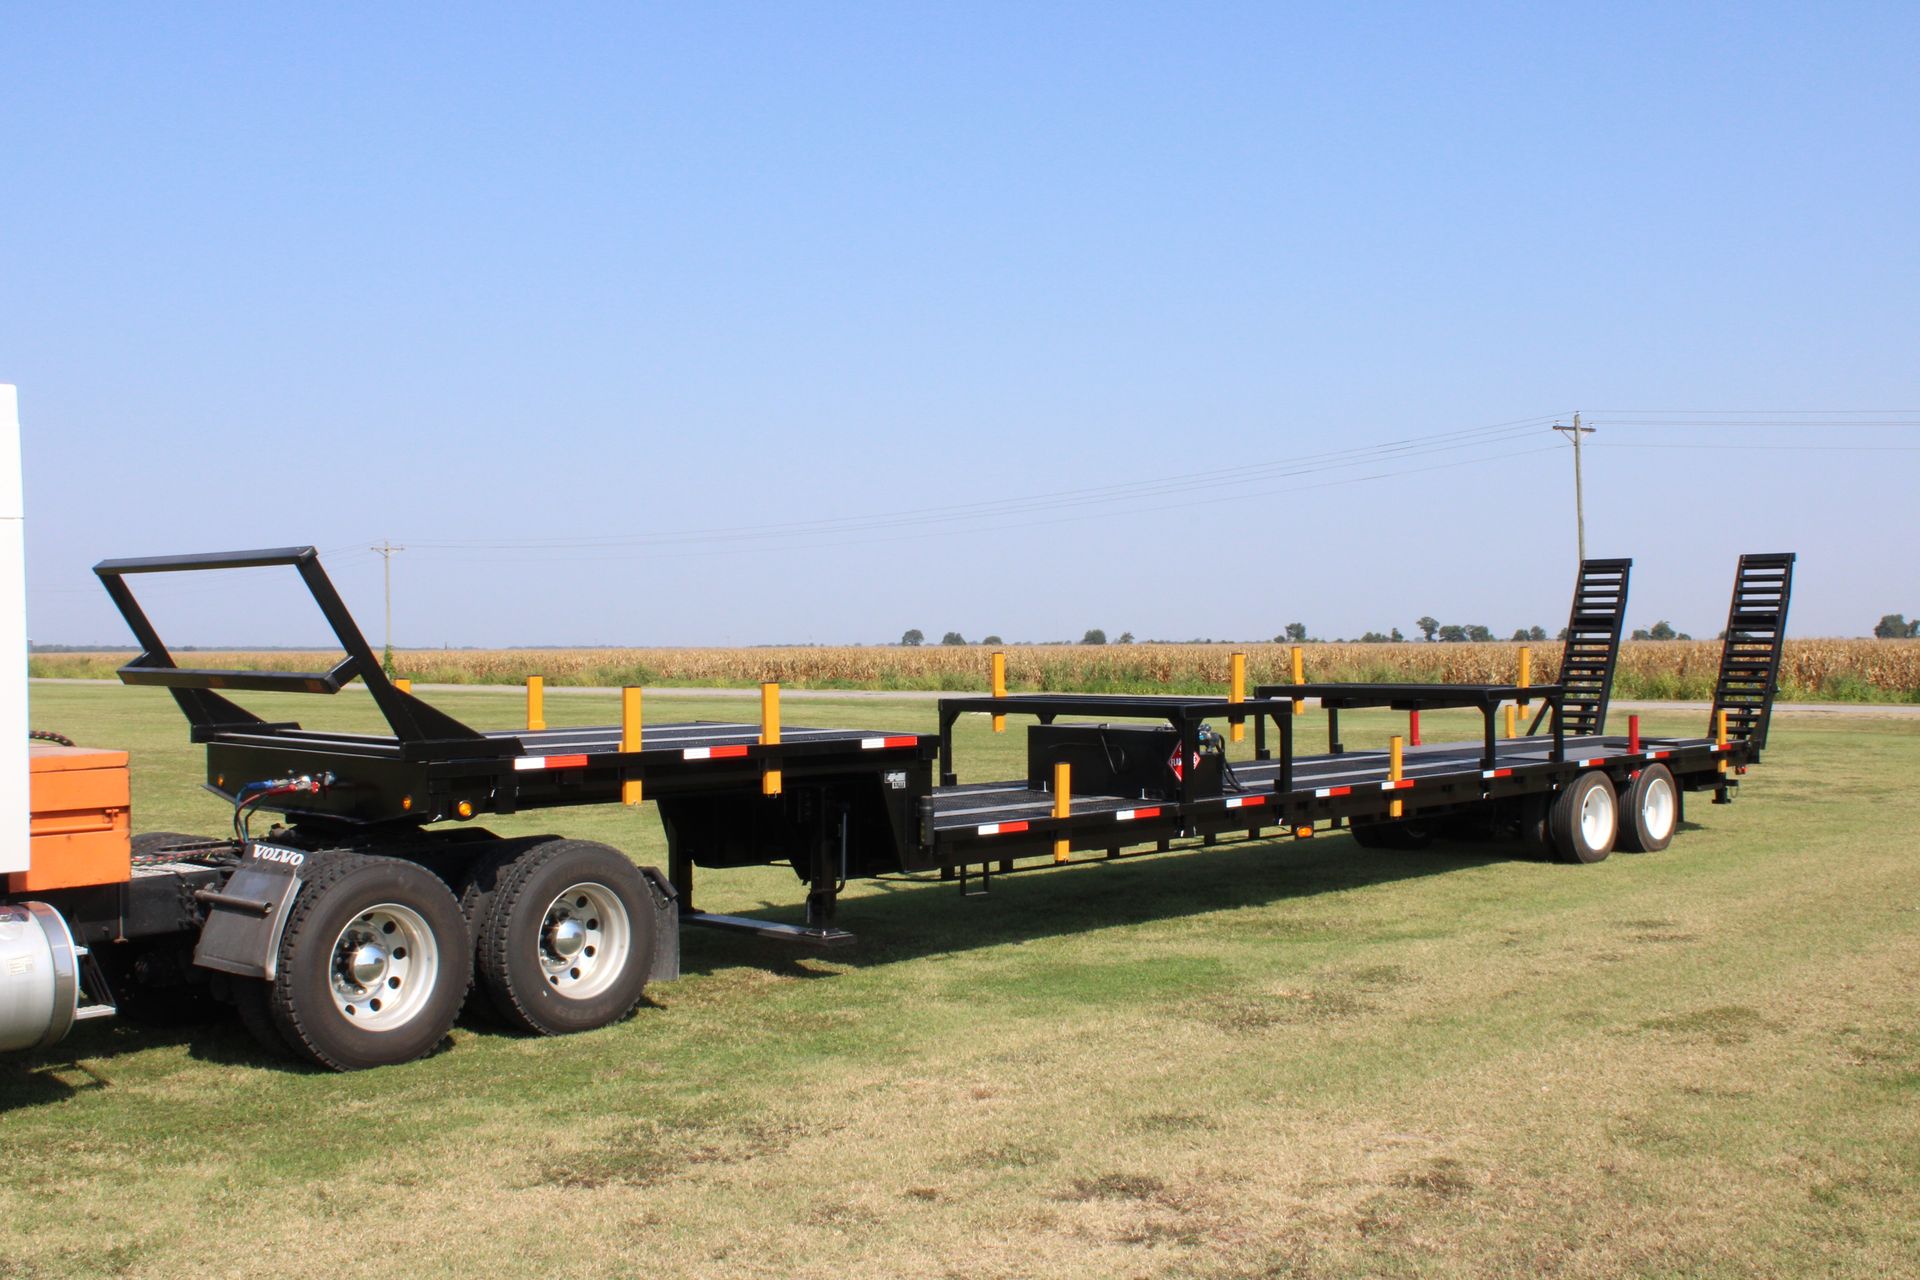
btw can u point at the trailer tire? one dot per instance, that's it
(373, 966)
(1585, 819)
(1650, 810)
(567, 943)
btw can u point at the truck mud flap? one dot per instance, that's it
(666, 926)
(245, 919)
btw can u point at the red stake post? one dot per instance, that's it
(1633, 735)
(1413, 728)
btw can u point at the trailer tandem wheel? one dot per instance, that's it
(373, 966)
(567, 941)
(1585, 819)
(1650, 810)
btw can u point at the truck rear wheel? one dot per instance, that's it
(1585, 819)
(1650, 810)
(567, 942)
(373, 966)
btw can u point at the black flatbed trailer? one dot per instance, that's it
(373, 839)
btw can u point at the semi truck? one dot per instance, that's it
(359, 902)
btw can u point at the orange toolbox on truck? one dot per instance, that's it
(80, 824)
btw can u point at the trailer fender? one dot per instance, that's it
(247, 915)
(666, 926)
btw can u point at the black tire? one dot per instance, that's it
(1585, 819)
(608, 928)
(390, 912)
(1406, 834)
(476, 886)
(250, 997)
(1649, 810)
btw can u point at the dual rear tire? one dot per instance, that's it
(378, 956)
(1590, 818)
(372, 967)
(564, 936)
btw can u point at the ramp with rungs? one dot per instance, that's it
(1593, 642)
(1750, 655)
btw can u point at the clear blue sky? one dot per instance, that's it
(555, 295)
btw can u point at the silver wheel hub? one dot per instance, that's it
(383, 967)
(1657, 809)
(1596, 817)
(367, 965)
(566, 938)
(586, 940)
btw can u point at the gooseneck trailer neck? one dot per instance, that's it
(319, 928)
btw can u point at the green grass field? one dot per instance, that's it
(1284, 1058)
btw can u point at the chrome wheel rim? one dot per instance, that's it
(1657, 809)
(1597, 817)
(586, 940)
(382, 967)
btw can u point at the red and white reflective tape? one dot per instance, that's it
(1401, 785)
(1000, 828)
(1589, 764)
(714, 753)
(1658, 755)
(888, 744)
(1327, 792)
(1129, 815)
(550, 762)
(1496, 773)
(1245, 802)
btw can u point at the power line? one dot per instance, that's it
(1790, 448)
(1226, 478)
(541, 554)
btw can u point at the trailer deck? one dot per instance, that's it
(371, 863)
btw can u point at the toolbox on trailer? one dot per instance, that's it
(80, 826)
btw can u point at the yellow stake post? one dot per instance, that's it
(1062, 803)
(1237, 692)
(1720, 737)
(770, 734)
(1526, 671)
(630, 739)
(998, 669)
(403, 684)
(1299, 677)
(1513, 718)
(536, 703)
(1395, 807)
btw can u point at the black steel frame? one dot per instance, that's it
(1184, 713)
(417, 726)
(1486, 698)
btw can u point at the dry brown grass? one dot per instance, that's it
(1843, 670)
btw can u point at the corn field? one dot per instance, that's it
(1813, 670)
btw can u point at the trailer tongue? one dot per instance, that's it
(349, 932)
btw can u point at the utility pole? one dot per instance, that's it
(1574, 433)
(386, 550)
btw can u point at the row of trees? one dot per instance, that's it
(1894, 626)
(914, 636)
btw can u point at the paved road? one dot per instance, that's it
(1898, 709)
